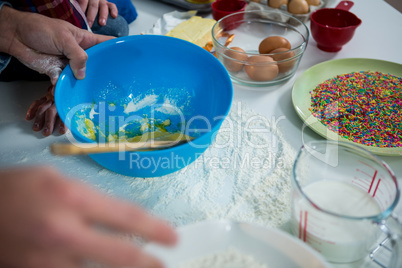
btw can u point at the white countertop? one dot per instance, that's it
(379, 37)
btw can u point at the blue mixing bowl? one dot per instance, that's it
(144, 78)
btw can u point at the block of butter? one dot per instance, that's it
(196, 30)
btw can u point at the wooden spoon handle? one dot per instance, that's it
(94, 148)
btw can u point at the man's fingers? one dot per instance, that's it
(35, 255)
(109, 250)
(38, 53)
(62, 129)
(126, 217)
(76, 54)
(70, 235)
(33, 108)
(40, 116)
(50, 120)
(91, 39)
(78, 59)
(59, 126)
(51, 259)
(118, 214)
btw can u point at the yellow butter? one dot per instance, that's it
(196, 30)
(90, 129)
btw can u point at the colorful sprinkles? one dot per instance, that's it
(364, 107)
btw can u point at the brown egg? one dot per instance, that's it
(314, 2)
(286, 54)
(233, 63)
(271, 43)
(277, 3)
(261, 68)
(298, 7)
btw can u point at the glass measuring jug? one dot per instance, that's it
(342, 196)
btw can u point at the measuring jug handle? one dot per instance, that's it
(393, 230)
(345, 5)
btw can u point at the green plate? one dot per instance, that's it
(326, 70)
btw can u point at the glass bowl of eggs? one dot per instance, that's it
(260, 48)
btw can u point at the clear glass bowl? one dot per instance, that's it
(246, 30)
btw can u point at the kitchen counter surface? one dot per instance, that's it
(379, 37)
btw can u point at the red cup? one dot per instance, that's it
(222, 8)
(332, 28)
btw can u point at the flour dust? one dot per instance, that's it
(243, 176)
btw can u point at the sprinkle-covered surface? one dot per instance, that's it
(364, 107)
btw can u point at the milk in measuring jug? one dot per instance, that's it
(338, 239)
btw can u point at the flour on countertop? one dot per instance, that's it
(243, 176)
(230, 258)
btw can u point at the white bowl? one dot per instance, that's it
(268, 246)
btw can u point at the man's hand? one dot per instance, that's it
(45, 44)
(48, 220)
(45, 114)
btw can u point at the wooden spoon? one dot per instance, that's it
(94, 148)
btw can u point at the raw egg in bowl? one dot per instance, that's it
(146, 87)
